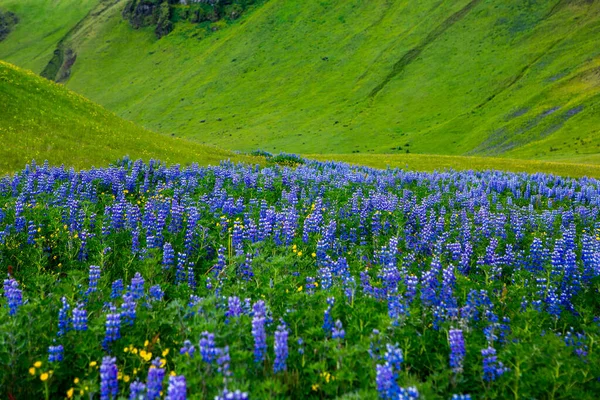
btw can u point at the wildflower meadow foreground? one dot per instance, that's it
(304, 280)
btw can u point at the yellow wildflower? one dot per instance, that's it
(165, 352)
(315, 387)
(93, 364)
(70, 393)
(32, 371)
(76, 381)
(44, 377)
(126, 378)
(299, 253)
(299, 289)
(37, 364)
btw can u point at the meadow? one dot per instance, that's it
(297, 279)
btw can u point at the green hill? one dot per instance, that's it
(42, 120)
(516, 78)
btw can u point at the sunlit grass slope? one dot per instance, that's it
(422, 162)
(42, 120)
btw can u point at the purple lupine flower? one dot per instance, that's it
(387, 387)
(94, 277)
(177, 388)
(156, 293)
(154, 382)
(136, 390)
(281, 348)
(327, 318)
(258, 331)
(31, 231)
(492, 368)
(234, 308)
(80, 318)
(187, 348)
(208, 348)
(457, 349)
(223, 360)
(55, 353)
(136, 289)
(116, 289)
(113, 327)
(181, 268)
(338, 331)
(13, 295)
(109, 385)
(461, 397)
(128, 307)
(300, 342)
(191, 278)
(394, 357)
(63, 317)
(236, 395)
(168, 256)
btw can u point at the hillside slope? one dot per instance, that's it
(514, 78)
(44, 121)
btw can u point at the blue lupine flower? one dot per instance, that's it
(387, 387)
(327, 318)
(63, 317)
(117, 289)
(136, 390)
(208, 348)
(154, 382)
(156, 293)
(300, 342)
(177, 388)
(113, 327)
(191, 278)
(281, 348)
(223, 360)
(394, 357)
(234, 308)
(94, 277)
(461, 397)
(168, 256)
(80, 318)
(338, 330)
(55, 353)
(258, 331)
(128, 309)
(492, 368)
(187, 348)
(137, 286)
(236, 395)
(457, 349)
(109, 385)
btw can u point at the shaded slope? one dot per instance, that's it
(44, 121)
(342, 76)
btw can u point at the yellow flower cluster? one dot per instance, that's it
(327, 376)
(44, 376)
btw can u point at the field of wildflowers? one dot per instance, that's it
(307, 280)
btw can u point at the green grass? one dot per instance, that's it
(299, 76)
(42, 120)
(422, 162)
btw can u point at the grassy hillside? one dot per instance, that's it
(512, 79)
(42, 120)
